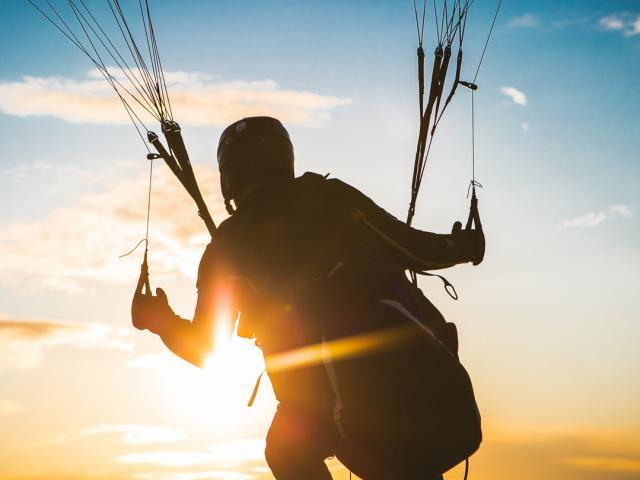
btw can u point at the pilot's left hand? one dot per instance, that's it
(149, 312)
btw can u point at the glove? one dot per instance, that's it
(471, 243)
(149, 312)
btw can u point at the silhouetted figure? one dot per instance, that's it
(364, 367)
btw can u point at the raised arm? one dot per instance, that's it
(189, 340)
(414, 249)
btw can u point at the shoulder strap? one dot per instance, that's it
(311, 177)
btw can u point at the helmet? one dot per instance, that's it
(252, 151)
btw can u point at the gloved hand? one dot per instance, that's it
(149, 311)
(470, 242)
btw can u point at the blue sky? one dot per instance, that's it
(579, 79)
(548, 322)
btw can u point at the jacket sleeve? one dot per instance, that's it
(203, 316)
(194, 340)
(412, 248)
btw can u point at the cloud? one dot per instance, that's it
(242, 450)
(152, 360)
(137, 434)
(131, 434)
(55, 178)
(524, 126)
(8, 408)
(202, 475)
(196, 99)
(606, 464)
(592, 454)
(523, 21)
(533, 455)
(569, 22)
(634, 27)
(517, 96)
(593, 219)
(239, 451)
(621, 211)
(611, 22)
(23, 342)
(166, 458)
(77, 245)
(526, 454)
(626, 23)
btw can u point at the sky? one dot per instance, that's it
(548, 323)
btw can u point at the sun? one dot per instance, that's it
(218, 393)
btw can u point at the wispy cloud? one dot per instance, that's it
(611, 22)
(621, 211)
(595, 218)
(238, 451)
(590, 219)
(200, 475)
(626, 23)
(524, 21)
(536, 455)
(517, 96)
(152, 360)
(137, 434)
(23, 342)
(242, 450)
(524, 126)
(618, 464)
(8, 408)
(571, 456)
(78, 245)
(634, 27)
(130, 434)
(530, 21)
(58, 178)
(562, 23)
(166, 458)
(196, 99)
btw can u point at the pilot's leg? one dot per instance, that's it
(297, 447)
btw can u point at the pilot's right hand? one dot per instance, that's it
(471, 242)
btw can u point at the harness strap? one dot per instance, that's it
(448, 286)
(255, 390)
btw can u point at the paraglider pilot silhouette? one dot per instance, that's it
(364, 367)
